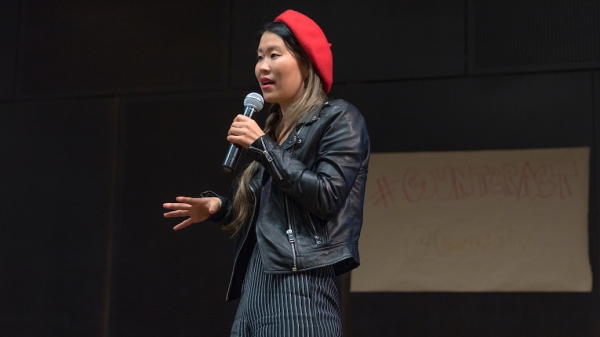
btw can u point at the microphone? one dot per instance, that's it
(252, 103)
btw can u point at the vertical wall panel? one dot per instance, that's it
(525, 111)
(56, 169)
(173, 283)
(9, 18)
(376, 40)
(513, 35)
(97, 47)
(595, 176)
(387, 40)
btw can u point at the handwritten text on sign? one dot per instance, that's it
(524, 180)
(503, 220)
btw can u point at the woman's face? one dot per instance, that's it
(278, 71)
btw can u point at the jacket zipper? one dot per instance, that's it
(242, 245)
(297, 139)
(317, 238)
(290, 234)
(270, 159)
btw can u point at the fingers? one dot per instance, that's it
(177, 214)
(186, 200)
(243, 131)
(241, 118)
(183, 224)
(177, 205)
(237, 129)
(241, 125)
(179, 209)
(235, 139)
(197, 209)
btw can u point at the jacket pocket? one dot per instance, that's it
(313, 229)
(291, 234)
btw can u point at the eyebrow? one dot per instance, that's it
(272, 47)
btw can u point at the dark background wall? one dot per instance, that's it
(110, 108)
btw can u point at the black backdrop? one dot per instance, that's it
(110, 108)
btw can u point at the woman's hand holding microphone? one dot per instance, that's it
(244, 131)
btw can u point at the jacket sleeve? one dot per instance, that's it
(322, 189)
(223, 216)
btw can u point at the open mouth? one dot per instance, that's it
(265, 81)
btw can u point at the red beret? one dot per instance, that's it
(313, 41)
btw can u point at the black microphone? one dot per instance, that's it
(252, 103)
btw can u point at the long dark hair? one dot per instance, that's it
(312, 98)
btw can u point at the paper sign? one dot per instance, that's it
(499, 220)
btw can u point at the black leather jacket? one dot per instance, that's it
(309, 213)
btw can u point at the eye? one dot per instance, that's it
(258, 58)
(274, 56)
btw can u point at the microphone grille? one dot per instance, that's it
(254, 100)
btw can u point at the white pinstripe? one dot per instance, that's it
(303, 304)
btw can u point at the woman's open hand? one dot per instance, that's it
(198, 209)
(244, 131)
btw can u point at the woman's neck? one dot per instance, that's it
(286, 124)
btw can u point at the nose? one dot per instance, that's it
(262, 67)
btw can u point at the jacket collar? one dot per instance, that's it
(309, 118)
(313, 115)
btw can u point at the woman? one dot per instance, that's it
(297, 209)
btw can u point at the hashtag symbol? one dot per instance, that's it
(385, 191)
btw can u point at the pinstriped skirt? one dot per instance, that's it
(287, 305)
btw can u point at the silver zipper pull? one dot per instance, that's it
(317, 239)
(290, 236)
(269, 158)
